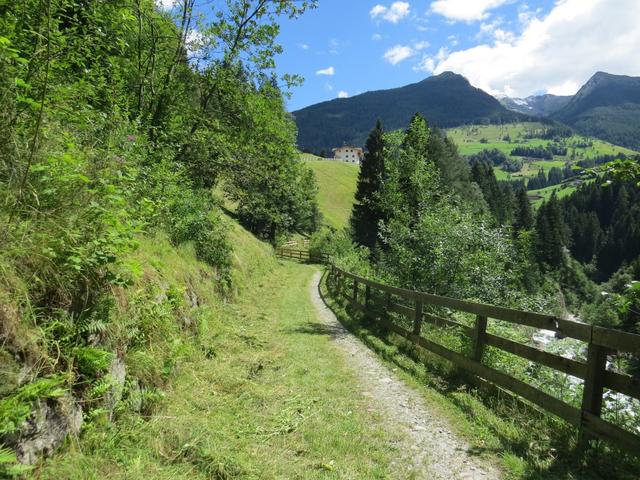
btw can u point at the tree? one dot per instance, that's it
(367, 214)
(523, 215)
(552, 233)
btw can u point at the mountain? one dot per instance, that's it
(446, 100)
(606, 107)
(537, 105)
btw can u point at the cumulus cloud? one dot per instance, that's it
(326, 71)
(465, 10)
(427, 64)
(556, 53)
(343, 94)
(394, 13)
(398, 53)
(166, 4)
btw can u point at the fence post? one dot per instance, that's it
(355, 291)
(593, 384)
(367, 296)
(417, 319)
(478, 338)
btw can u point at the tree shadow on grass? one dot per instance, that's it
(318, 328)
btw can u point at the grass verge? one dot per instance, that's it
(530, 444)
(263, 396)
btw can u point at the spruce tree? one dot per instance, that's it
(552, 233)
(524, 215)
(366, 214)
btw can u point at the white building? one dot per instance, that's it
(348, 154)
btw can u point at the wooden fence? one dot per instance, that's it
(300, 255)
(599, 341)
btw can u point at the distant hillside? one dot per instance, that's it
(337, 188)
(446, 100)
(537, 105)
(607, 107)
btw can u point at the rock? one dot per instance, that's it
(51, 421)
(134, 396)
(11, 374)
(117, 373)
(193, 299)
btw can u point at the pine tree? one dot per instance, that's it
(524, 215)
(366, 213)
(552, 233)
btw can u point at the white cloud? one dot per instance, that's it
(427, 64)
(326, 71)
(333, 46)
(421, 45)
(376, 37)
(195, 42)
(328, 87)
(394, 13)
(465, 10)
(166, 4)
(303, 46)
(398, 53)
(343, 94)
(378, 10)
(557, 53)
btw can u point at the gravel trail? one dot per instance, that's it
(432, 450)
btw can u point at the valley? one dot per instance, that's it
(191, 288)
(580, 152)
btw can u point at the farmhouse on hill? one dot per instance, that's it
(348, 154)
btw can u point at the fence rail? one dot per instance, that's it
(300, 255)
(594, 373)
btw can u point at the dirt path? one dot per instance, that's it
(432, 450)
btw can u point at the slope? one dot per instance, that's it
(607, 107)
(446, 100)
(337, 187)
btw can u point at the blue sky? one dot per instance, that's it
(346, 47)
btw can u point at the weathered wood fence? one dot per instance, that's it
(300, 255)
(600, 342)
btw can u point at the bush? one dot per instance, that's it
(192, 217)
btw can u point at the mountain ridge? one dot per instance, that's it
(446, 100)
(607, 106)
(539, 105)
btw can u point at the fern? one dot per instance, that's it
(16, 408)
(91, 361)
(9, 466)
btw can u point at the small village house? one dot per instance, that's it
(348, 154)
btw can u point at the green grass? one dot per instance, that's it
(544, 194)
(310, 157)
(468, 139)
(337, 183)
(265, 396)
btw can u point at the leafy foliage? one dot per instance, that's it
(117, 125)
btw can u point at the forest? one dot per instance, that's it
(579, 245)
